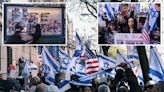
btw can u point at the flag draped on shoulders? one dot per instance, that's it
(29, 67)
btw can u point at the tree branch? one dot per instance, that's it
(89, 5)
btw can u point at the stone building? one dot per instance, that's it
(11, 55)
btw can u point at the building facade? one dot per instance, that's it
(10, 55)
(70, 42)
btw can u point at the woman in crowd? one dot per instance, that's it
(110, 31)
(155, 37)
(131, 26)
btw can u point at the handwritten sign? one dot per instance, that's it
(128, 38)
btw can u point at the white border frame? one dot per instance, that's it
(130, 44)
(65, 17)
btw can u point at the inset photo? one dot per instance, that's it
(32, 0)
(129, 23)
(150, 1)
(34, 23)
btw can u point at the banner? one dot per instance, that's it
(127, 38)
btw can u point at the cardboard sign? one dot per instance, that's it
(128, 38)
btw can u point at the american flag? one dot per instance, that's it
(145, 34)
(92, 62)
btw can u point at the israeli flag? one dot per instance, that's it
(78, 42)
(132, 53)
(110, 11)
(49, 60)
(65, 59)
(72, 66)
(138, 7)
(81, 83)
(94, 75)
(106, 62)
(80, 70)
(156, 71)
(151, 1)
(48, 74)
(140, 75)
(50, 66)
(64, 64)
(64, 85)
(78, 49)
(29, 67)
(120, 58)
(63, 54)
(54, 51)
(116, 7)
(153, 15)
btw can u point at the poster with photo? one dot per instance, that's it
(42, 20)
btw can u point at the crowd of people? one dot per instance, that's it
(127, 21)
(118, 0)
(124, 81)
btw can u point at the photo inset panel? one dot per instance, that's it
(129, 23)
(150, 1)
(34, 23)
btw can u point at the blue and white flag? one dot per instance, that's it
(78, 49)
(64, 63)
(49, 60)
(29, 67)
(64, 85)
(151, 1)
(106, 62)
(78, 42)
(120, 58)
(81, 83)
(138, 7)
(140, 75)
(153, 15)
(72, 66)
(156, 71)
(94, 75)
(80, 70)
(50, 66)
(63, 54)
(65, 59)
(116, 7)
(54, 51)
(132, 53)
(109, 11)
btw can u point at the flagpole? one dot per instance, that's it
(144, 63)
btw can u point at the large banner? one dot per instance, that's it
(128, 38)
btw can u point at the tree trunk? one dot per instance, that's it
(105, 50)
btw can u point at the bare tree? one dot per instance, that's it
(91, 7)
(81, 5)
